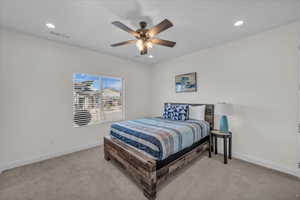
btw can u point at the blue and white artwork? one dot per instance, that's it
(186, 82)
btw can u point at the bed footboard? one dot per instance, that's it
(143, 169)
(140, 167)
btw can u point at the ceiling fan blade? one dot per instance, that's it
(123, 43)
(166, 43)
(165, 24)
(125, 28)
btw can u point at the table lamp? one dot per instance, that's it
(224, 110)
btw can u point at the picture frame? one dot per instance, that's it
(186, 82)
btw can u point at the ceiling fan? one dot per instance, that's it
(145, 37)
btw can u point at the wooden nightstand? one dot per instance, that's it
(213, 143)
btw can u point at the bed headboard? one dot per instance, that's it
(209, 111)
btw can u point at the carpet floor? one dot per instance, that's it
(87, 176)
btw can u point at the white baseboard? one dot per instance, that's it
(267, 164)
(247, 158)
(20, 163)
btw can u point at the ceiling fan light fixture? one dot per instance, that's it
(150, 35)
(149, 45)
(139, 44)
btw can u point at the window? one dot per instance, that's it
(96, 99)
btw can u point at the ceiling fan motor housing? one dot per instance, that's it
(143, 24)
(143, 32)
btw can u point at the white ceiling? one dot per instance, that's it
(198, 24)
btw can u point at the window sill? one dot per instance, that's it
(102, 122)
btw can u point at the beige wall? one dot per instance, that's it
(36, 96)
(259, 76)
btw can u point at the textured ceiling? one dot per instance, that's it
(198, 24)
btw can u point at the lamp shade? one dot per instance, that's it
(223, 109)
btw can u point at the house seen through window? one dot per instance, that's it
(96, 99)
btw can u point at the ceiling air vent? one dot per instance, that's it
(59, 34)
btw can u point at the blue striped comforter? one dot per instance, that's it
(159, 138)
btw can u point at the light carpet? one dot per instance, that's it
(86, 175)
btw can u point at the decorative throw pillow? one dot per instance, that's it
(197, 112)
(176, 112)
(168, 111)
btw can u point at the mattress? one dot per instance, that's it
(159, 138)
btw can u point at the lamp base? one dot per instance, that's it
(224, 124)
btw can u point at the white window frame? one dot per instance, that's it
(101, 88)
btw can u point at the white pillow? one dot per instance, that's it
(197, 112)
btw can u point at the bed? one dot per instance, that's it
(151, 149)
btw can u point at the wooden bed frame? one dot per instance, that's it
(142, 168)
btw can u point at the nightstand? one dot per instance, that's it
(213, 143)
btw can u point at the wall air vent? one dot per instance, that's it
(59, 34)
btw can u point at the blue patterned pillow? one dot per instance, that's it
(176, 112)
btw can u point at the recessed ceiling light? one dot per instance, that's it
(150, 56)
(239, 23)
(49, 25)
